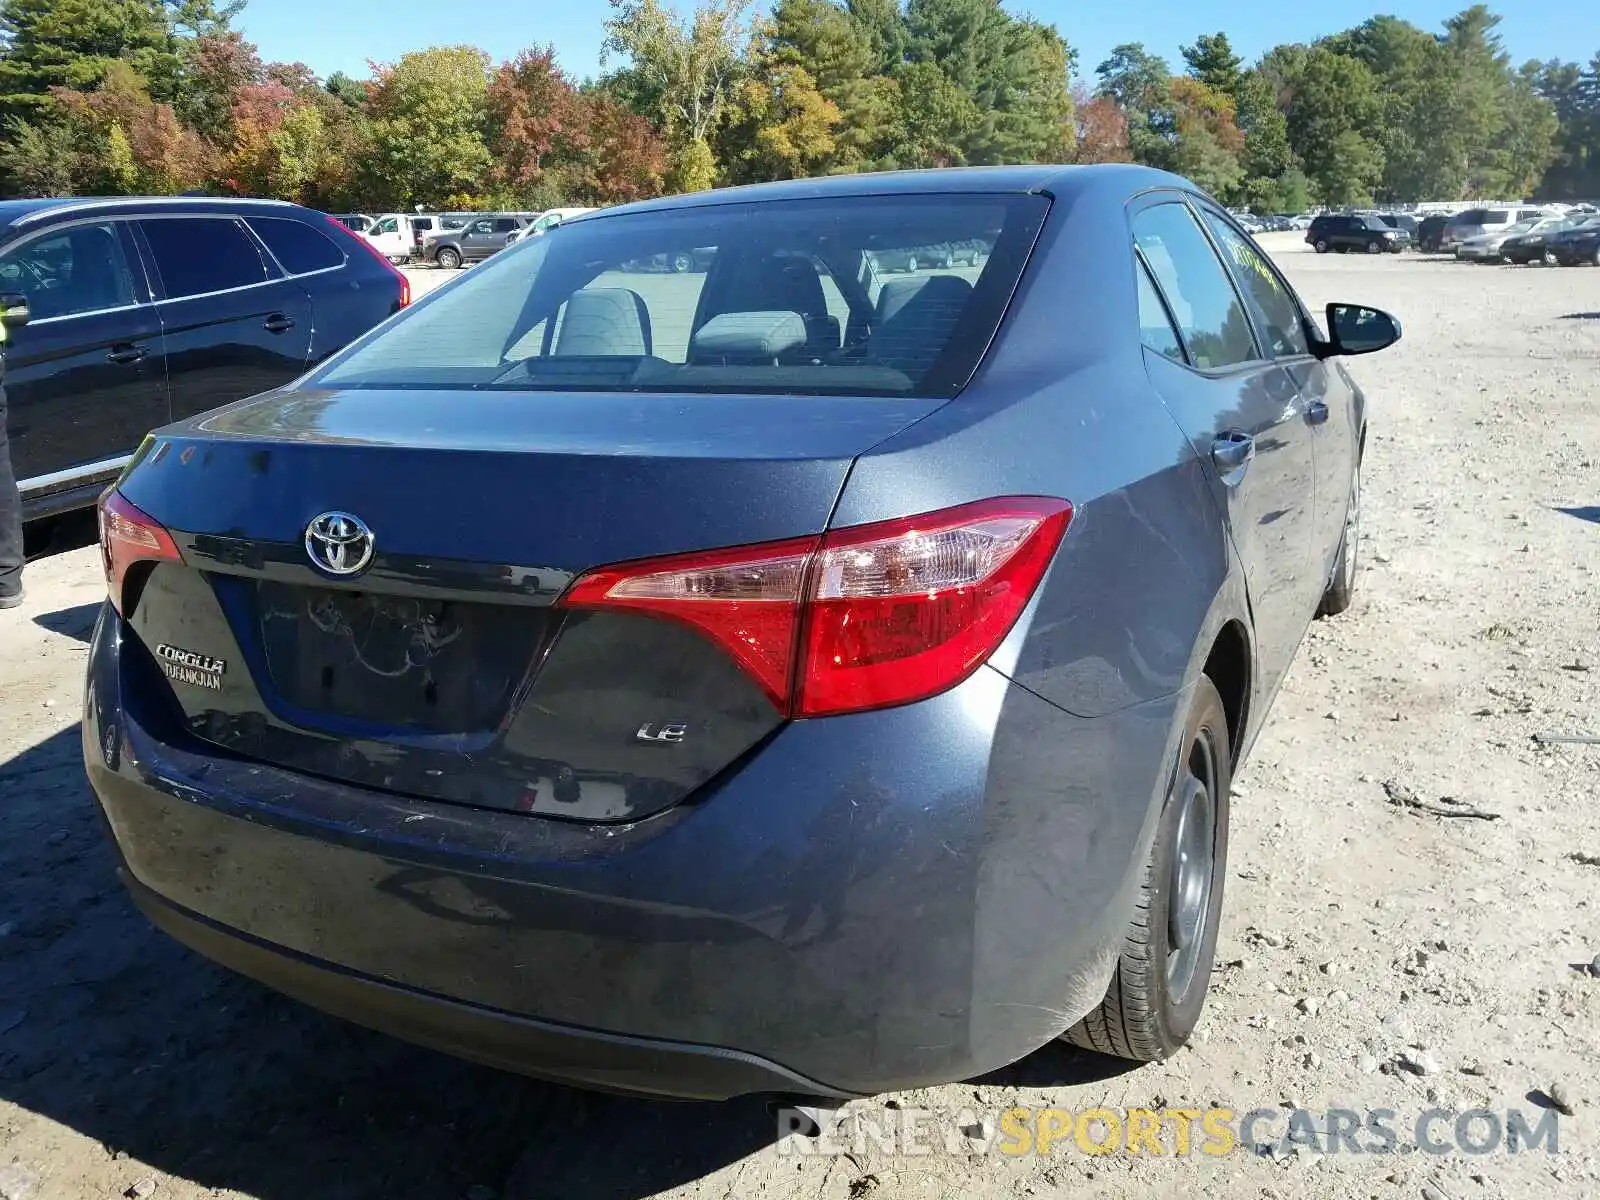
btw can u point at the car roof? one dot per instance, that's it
(28, 213)
(1044, 179)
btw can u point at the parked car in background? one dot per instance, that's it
(1487, 247)
(143, 311)
(1578, 245)
(549, 220)
(1343, 232)
(1532, 246)
(913, 258)
(1403, 221)
(355, 222)
(1474, 222)
(1430, 231)
(475, 241)
(767, 697)
(392, 236)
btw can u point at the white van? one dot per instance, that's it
(1474, 222)
(549, 220)
(392, 235)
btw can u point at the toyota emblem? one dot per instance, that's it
(339, 543)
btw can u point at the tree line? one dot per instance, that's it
(165, 96)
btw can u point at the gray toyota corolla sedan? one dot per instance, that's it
(768, 676)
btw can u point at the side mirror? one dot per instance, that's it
(1356, 329)
(14, 310)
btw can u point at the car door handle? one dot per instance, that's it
(126, 353)
(278, 323)
(1316, 412)
(1233, 450)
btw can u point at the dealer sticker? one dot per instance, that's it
(191, 667)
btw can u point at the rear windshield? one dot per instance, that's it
(871, 295)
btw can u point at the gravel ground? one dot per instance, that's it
(1373, 955)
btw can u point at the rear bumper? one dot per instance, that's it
(828, 918)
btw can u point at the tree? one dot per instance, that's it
(623, 158)
(1140, 84)
(782, 127)
(1267, 160)
(429, 111)
(73, 44)
(1100, 130)
(933, 119)
(1334, 109)
(1206, 142)
(39, 158)
(1212, 61)
(351, 91)
(691, 67)
(837, 50)
(128, 142)
(533, 112)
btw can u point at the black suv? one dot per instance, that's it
(126, 314)
(1359, 231)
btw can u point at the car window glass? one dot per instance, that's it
(505, 224)
(196, 255)
(737, 298)
(387, 225)
(1280, 315)
(482, 227)
(1155, 327)
(81, 269)
(1196, 286)
(298, 246)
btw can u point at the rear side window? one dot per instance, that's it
(196, 255)
(299, 247)
(1473, 216)
(778, 297)
(1196, 286)
(506, 224)
(1280, 314)
(1155, 327)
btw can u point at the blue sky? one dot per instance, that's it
(331, 35)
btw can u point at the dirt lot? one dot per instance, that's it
(1373, 955)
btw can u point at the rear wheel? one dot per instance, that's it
(1159, 986)
(448, 257)
(1341, 593)
(681, 263)
(1374, 247)
(911, 263)
(1320, 245)
(1550, 259)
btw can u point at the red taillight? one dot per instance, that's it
(405, 284)
(865, 617)
(128, 536)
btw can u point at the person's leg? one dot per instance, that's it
(10, 519)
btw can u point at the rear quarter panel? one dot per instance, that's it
(1062, 407)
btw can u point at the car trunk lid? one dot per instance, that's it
(444, 668)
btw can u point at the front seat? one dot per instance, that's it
(604, 323)
(916, 328)
(781, 283)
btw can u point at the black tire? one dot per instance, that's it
(1320, 245)
(911, 264)
(1141, 1018)
(1549, 259)
(448, 257)
(1342, 584)
(681, 263)
(1595, 256)
(1374, 247)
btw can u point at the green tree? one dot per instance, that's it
(1334, 107)
(350, 91)
(1206, 143)
(882, 24)
(39, 157)
(1266, 159)
(690, 67)
(429, 113)
(73, 44)
(1140, 84)
(933, 119)
(837, 51)
(1212, 61)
